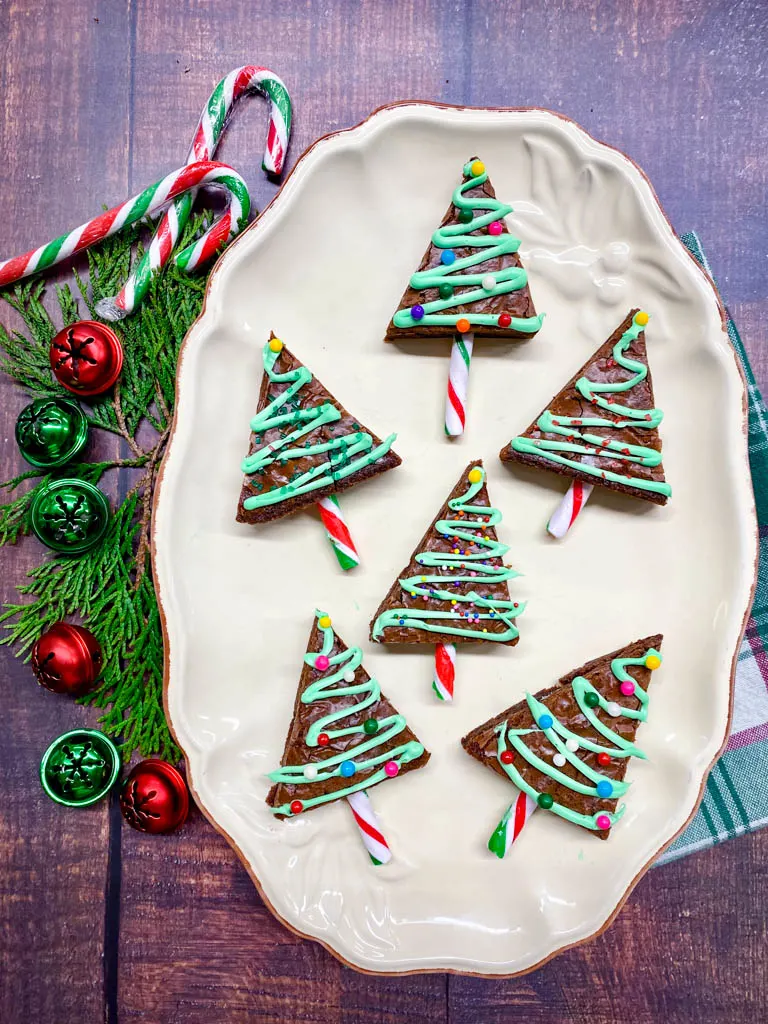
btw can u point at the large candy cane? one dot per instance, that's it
(512, 824)
(147, 203)
(445, 671)
(458, 384)
(213, 120)
(567, 511)
(337, 531)
(370, 829)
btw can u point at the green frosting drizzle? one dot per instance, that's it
(339, 681)
(488, 247)
(621, 416)
(345, 455)
(558, 735)
(467, 564)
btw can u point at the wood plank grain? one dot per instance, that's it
(62, 153)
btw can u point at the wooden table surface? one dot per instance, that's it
(98, 922)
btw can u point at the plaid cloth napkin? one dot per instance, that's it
(733, 803)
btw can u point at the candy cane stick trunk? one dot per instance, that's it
(370, 828)
(512, 824)
(338, 532)
(569, 508)
(209, 130)
(458, 384)
(445, 671)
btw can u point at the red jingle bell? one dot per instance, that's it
(154, 797)
(86, 357)
(67, 659)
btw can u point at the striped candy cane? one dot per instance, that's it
(148, 202)
(370, 829)
(213, 120)
(445, 671)
(458, 384)
(512, 824)
(338, 532)
(566, 512)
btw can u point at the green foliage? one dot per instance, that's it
(110, 588)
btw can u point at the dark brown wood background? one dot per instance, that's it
(98, 922)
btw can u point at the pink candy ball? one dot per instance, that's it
(391, 768)
(494, 228)
(603, 821)
(627, 689)
(321, 663)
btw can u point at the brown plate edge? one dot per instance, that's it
(166, 661)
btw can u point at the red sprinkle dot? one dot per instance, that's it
(504, 320)
(297, 807)
(323, 739)
(603, 759)
(507, 757)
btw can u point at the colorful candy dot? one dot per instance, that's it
(446, 291)
(603, 759)
(507, 757)
(323, 739)
(417, 312)
(324, 622)
(613, 709)
(476, 168)
(348, 769)
(475, 475)
(604, 789)
(545, 800)
(488, 283)
(310, 773)
(572, 744)
(370, 726)
(641, 318)
(465, 216)
(603, 821)
(321, 663)
(505, 320)
(559, 760)
(627, 688)
(297, 807)
(494, 228)
(652, 662)
(463, 325)
(447, 257)
(275, 345)
(546, 722)
(591, 699)
(391, 768)
(349, 677)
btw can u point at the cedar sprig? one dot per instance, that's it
(110, 588)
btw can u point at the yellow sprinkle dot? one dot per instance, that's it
(477, 167)
(324, 622)
(475, 476)
(423, 579)
(453, 602)
(275, 345)
(641, 319)
(652, 661)
(485, 630)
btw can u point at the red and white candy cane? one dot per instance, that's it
(338, 533)
(148, 202)
(566, 512)
(445, 671)
(370, 828)
(213, 120)
(458, 382)
(512, 824)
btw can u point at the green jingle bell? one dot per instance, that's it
(70, 516)
(79, 768)
(51, 431)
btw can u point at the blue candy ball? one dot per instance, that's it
(604, 789)
(347, 768)
(448, 256)
(546, 722)
(417, 312)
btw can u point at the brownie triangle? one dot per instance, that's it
(457, 571)
(391, 741)
(623, 450)
(275, 488)
(502, 260)
(561, 703)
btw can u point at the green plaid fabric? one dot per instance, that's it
(732, 802)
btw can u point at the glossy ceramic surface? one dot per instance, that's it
(324, 267)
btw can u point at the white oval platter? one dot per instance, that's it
(324, 267)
